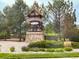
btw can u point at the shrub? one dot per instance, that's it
(47, 44)
(40, 44)
(12, 49)
(49, 50)
(32, 49)
(59, 50)
(36, 49)
(55, 44)
(68, 49)
(4, 35)
(24, 48)
(75, 44)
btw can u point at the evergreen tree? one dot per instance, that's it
(15, 16)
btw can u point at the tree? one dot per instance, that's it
(3, 27)
(62, 11)
(48, 28)
(19, 7)
(69, 19)
(56, 8)
(15, 16)
(47, 22)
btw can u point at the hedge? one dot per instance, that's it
(47, 44)
(75, 44)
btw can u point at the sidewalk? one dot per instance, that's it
(75, 50)
(6, 45)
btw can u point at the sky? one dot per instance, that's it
(4, 3)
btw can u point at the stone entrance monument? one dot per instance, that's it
(34, 20)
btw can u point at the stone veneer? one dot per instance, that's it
(34, 36)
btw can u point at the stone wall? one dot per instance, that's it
(34, 36)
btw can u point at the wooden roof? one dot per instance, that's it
(35, 11)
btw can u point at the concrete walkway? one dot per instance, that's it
(6, 45)
(75, 50)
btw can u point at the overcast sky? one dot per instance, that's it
(4, 3)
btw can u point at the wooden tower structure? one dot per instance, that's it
(34, 20)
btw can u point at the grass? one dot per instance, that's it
(52, 34)
(38, 55)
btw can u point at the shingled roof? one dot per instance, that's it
(35, 10)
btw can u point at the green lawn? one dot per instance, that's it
(38, 55)
(52, 34)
